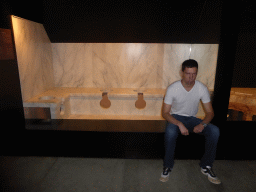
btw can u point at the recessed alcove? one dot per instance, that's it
(70, 78)
(242, 104)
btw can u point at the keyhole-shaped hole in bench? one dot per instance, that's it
(140, 103)
(105, 102)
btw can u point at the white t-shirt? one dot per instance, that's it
(183, 102)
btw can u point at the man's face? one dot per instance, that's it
(189, 75)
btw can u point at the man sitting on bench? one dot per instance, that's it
(180, 109)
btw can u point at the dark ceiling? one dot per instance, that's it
(130, 21)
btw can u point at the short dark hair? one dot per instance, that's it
(189, 63)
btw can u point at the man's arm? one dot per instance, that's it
(166, 114)
(207, 119)
(209, 113)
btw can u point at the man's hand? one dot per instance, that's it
(183, 129)
(199, 128)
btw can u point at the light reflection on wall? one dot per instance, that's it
(134, 49)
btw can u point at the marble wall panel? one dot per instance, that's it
(143, 65)
(204, 54)
(34, 57)
(174, 55)
(72, 64)
(108, 65)
(119, 106)
(129, 65)
(91, 106)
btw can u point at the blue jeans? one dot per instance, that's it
(211, 133)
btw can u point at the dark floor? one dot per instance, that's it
(53, 160)
(110, 174)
